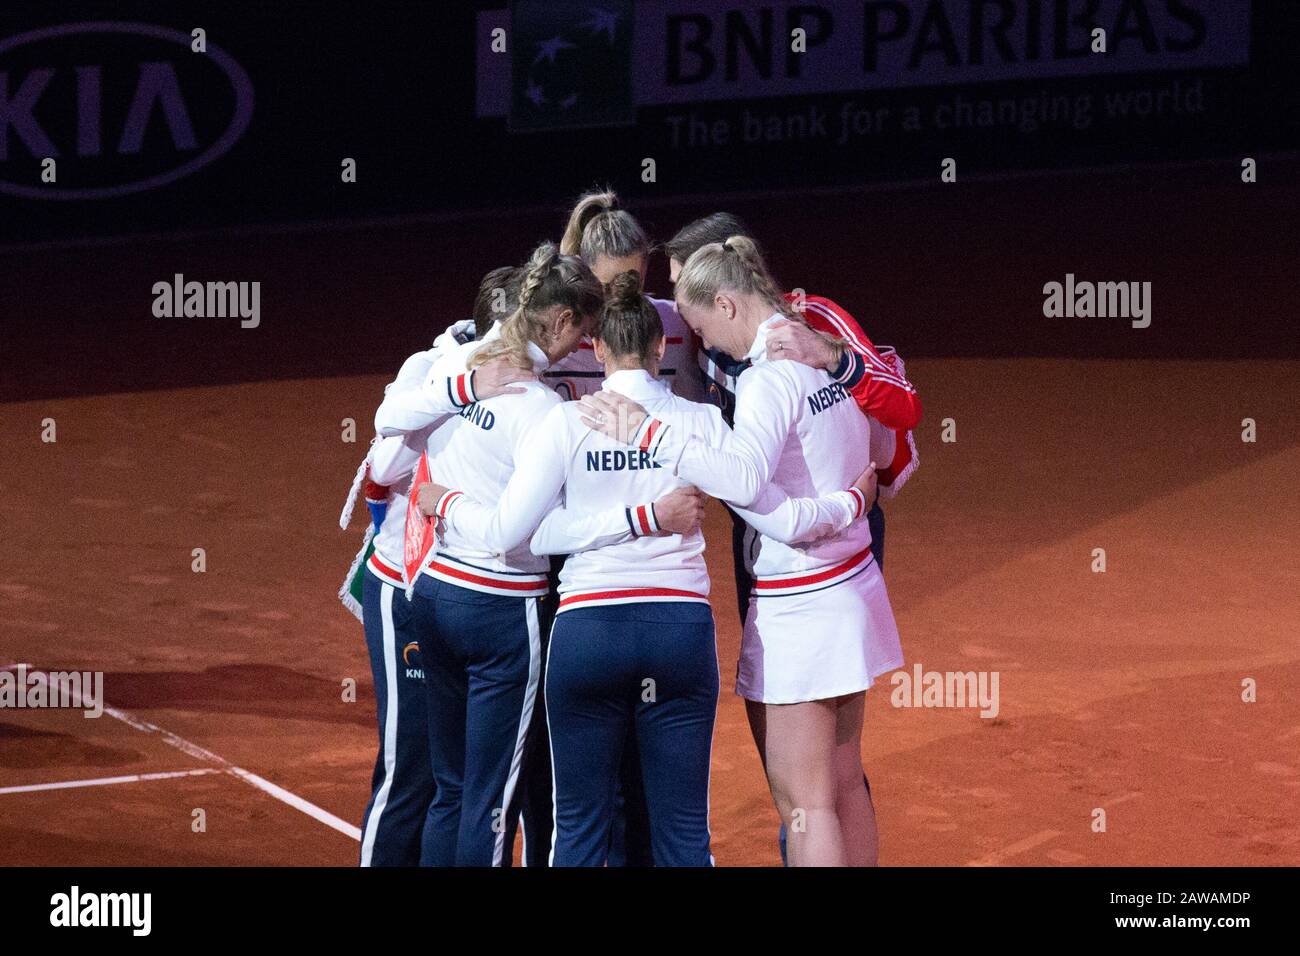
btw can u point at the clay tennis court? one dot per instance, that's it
(1119, 690)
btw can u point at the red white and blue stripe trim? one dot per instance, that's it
(860, 503)
(487, 580)
(386, 572)
(805, 582)
(460, 389)
(642, 520)
(445, 503)
(608, 596)
(650, 435)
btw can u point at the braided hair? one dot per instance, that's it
(549, 279)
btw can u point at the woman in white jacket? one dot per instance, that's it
(478, 614)
(820, 628)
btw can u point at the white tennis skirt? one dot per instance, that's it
(819, 644)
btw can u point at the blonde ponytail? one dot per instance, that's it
(735, 264)
(597, 227)
(588, 207)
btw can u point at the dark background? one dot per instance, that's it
(356, 276)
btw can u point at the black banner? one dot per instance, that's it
(977, 907)
(133, 116)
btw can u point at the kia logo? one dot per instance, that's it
(120, 107)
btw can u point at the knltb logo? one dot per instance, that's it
(119, 107)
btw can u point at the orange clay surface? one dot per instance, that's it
(1120, 691)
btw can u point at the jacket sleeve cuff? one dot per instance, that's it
(642, 520)
(851, 370)
(460, 389)
(860, 504)
(448, 500)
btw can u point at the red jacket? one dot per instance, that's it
(880, 390)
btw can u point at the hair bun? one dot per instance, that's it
(740, 245)
(625, 290)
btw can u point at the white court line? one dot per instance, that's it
(252, 779)
(1124, 799)
(1028, 843)
(1038, 839)
(104, 781)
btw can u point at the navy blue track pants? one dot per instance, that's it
(401, 786)
(483, 656)
(652, 668)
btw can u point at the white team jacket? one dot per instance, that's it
(393, 459)
(607, 521)
(476, 449)
(424, 409)
(794, 428)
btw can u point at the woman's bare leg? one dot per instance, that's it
(797, 743)
(852, 803)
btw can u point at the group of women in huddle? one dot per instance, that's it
(534, 700)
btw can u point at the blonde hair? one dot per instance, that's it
(597, 227)
(735, 265)
(549, 279)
